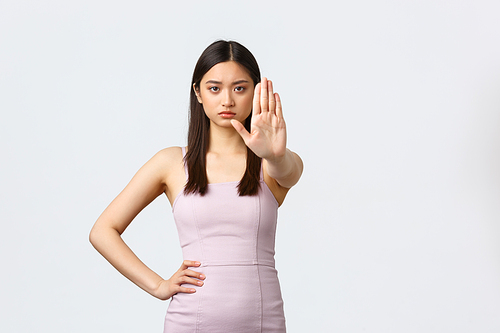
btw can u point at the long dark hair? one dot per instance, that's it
(199, 124)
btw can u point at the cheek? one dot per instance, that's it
(249, 102)
(208, 101)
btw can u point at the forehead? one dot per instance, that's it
(227, 72)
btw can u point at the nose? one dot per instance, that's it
(227, 98)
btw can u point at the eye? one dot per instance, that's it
(239, 89)
(214, 89)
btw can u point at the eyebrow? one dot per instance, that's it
(219, 82)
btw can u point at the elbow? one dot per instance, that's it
(100, 235)
(296, 169)
(96, 236)
(93, 236)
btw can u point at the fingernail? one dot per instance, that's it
(193, 290)
(200, 283)
(202, 276)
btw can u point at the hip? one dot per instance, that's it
(245, 298)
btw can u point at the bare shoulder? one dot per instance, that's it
(171, 164)
(166, 157)
(164, 165)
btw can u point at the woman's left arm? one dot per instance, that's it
(268, 136)
(287, 171)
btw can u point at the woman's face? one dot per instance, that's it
(226, 92)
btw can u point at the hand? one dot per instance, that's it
(172, 286)
(268, 131)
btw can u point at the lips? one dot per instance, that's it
(227, 114)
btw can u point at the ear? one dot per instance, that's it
(197, 92)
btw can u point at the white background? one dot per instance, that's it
(394, 107)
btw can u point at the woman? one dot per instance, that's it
(225, 189)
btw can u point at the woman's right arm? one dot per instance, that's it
(105, 236)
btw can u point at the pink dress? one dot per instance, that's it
(233, 238)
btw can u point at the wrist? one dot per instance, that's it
(279, 166)
(277, 160)
(161, 290)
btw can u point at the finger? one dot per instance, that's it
(242, 131)
(256, 100)
(188, 280)
(272, 101)
(185, 290)
(189, 263)
(279, 110)
(198, 275)
(264, 97)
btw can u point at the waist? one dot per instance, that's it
(251, 262)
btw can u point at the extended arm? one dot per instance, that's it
(268, 136)
(287, 170)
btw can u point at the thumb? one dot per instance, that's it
(242, 131)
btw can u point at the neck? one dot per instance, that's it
(225, 140)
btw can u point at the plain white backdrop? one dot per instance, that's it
(394, 107)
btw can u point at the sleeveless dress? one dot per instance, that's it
(233, 237)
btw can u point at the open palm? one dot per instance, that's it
(267, 138)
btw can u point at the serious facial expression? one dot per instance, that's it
(226, 92)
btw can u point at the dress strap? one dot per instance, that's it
(184, 162)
